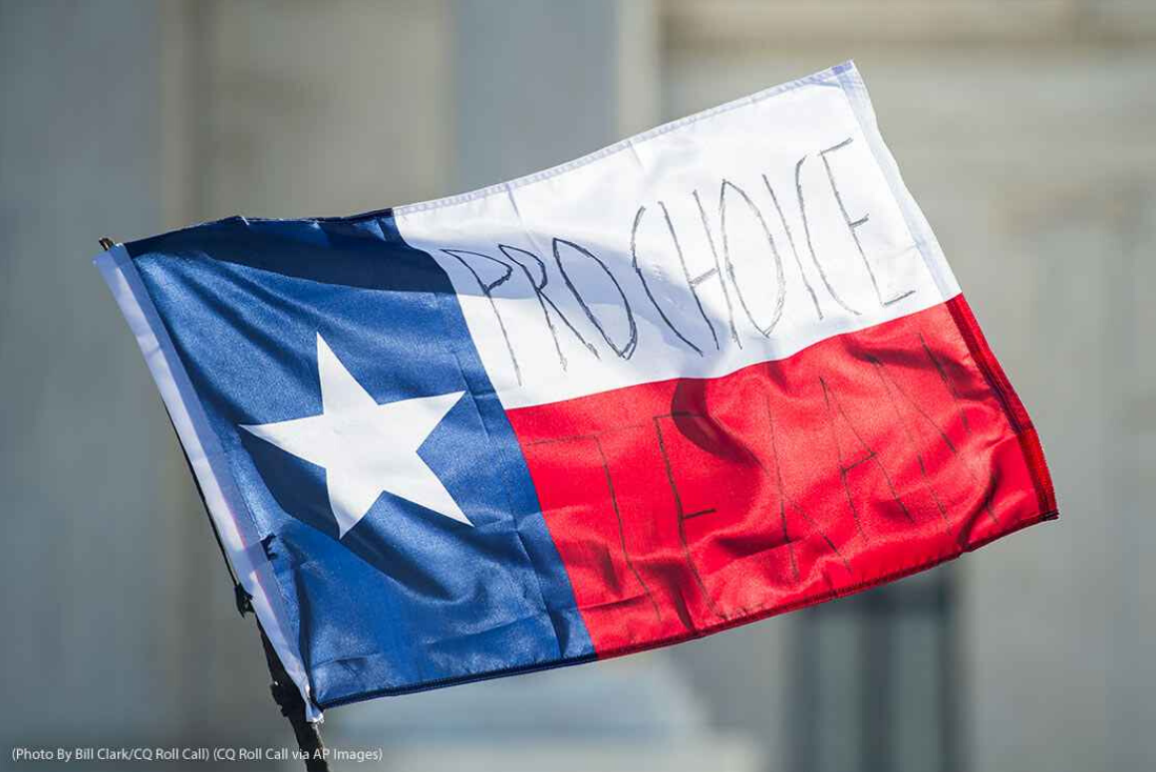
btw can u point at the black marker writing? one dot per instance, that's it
(854, 225)
(810, 244)
(626, 350)
(646, 285)
(487, 289)
(794, 249)
(780, 295)
(544, 300)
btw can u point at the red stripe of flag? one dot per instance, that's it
(686, 506)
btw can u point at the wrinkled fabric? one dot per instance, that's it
(403, 600)
(712, 373)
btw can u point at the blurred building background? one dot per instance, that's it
(1025, 128)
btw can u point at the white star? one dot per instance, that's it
(366, 448)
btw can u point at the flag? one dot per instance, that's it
(712, 373)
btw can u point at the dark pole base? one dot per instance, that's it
(288, 698)
(285, 692)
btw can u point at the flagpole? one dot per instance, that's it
(284, 690)
(288, 698)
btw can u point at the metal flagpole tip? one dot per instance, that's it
(106, 243)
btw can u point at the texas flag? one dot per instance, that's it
(712, 373)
